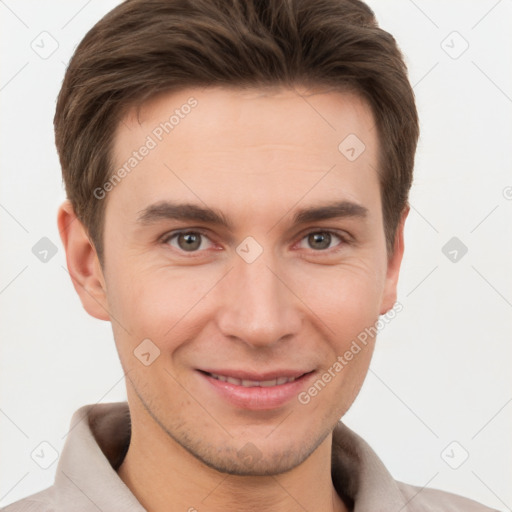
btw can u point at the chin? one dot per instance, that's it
(252, 458)
(250, 461)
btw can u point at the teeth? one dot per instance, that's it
(253, 383)
(250, 383)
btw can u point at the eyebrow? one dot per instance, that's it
(167, 210)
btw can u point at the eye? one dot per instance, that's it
(188, 241)
(321, 240)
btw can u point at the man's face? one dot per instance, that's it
(266, 296)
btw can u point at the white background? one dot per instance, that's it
(441, 370)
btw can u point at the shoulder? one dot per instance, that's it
(433, 500)
(39, 502)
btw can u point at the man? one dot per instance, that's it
(237, 176)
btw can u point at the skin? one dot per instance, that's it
(257, 156)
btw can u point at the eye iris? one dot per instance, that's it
(323, 238)
(192, 241)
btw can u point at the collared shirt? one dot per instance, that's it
(87, 481)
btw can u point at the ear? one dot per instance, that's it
(393, 268)
(83, 263)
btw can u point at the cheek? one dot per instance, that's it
(345, 304)
(156, 303)
(345, 297)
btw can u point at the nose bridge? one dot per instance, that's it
(256, 306)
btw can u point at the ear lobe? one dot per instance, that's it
(394, 263)
(82, 262)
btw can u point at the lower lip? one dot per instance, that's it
(258, 398)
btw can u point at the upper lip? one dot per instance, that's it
(259, 377)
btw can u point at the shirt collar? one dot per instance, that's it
(86, 477)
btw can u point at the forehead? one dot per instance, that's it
(266, 143)
(287, 115)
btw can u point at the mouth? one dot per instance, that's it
(256, 391)
(249, 383)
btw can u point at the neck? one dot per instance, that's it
(163, 476)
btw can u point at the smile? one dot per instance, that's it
(249, 390)
(253, 383)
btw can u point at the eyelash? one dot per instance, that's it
(344, 240)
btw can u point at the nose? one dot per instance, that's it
(258, 305)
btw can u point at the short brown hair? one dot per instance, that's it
(144, 47)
